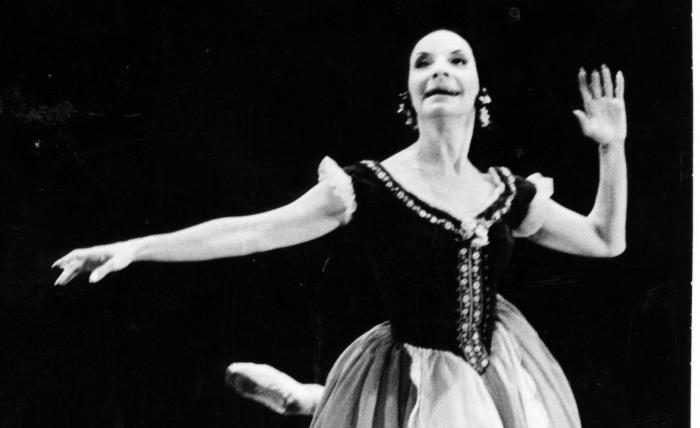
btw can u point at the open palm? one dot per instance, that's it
(603, 117)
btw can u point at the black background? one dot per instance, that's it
(121, 119)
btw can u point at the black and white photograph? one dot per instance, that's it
(425, 214)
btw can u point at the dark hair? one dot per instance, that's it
(477, 51)
(405, 108)
(472, 40)
(483, 139)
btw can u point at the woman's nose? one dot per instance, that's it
(440, 70)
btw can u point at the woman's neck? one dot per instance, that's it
(443, 144)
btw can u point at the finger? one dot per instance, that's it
(68, 258)
(619, 85)
(97, 275)
(63, 260)
(103, 270)
(583, 87)
(595, 84)
(582, 120)
(607, 81)
(67, 276)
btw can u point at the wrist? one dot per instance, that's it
(612, 146)
(141, 247)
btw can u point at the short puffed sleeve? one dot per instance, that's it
(534, 194)
(340, 188)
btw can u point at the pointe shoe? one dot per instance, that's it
(275, 390)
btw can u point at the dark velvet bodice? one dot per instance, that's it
(438, 275)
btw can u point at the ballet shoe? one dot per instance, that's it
(272, 388)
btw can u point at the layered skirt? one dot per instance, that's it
(379, 382)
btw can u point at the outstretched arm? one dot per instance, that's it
(602, 232)
(316, 213)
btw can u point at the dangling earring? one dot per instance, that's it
(482, 102)
(405, 110)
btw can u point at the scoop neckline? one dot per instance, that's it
(440, 212)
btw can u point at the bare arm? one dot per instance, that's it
(316, 213)
(305, 219)
(602, 232)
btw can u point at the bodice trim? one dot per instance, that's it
(465, 229)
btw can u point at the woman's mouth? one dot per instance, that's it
(441, 91)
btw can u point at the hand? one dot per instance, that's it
(604, 119)
(99, 260)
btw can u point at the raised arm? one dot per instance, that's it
(319, 211)
(602, 232)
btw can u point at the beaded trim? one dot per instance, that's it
(466, 228)
(472, 234)
(471, 308)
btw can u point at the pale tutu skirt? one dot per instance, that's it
(379, 382)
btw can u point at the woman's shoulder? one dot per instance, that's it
(529, 196)
(508, 175)
(362, 176)
(522, 189)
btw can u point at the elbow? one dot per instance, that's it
(613, 249)
(616, 250)
(612, 241)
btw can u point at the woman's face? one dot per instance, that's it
(442, 78)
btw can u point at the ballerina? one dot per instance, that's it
(438, 234)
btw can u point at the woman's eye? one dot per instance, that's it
(422, 63)
(459, 61)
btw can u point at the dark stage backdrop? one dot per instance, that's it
(120, 119)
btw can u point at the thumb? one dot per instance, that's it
(582, 119)
(110, 266)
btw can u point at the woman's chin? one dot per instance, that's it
(441, 112)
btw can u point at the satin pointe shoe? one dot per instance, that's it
(272, 388)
